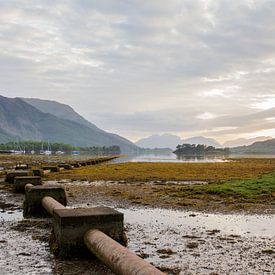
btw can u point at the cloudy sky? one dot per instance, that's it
(138, 68)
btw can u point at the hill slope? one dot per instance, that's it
(259, 147)
(19, 119)
(66, 112)
(244, 141)
(59, 110)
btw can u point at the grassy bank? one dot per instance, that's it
(253, 195)
(237, 184)
(245, 184)
(234, 169)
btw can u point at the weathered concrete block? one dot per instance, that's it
(21, 181)
(18, 173)
(21, 167)
(34, 195)
(76, 165)
(51, 168)
(38, 172)
(70, 225)
(65, 166)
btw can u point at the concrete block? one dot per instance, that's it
(65, 166)
(76, 165)
(21, 167)
(21, 181)
(51, 168)
(38, 172)
(70, 225)
(34, 195)
(18, 173)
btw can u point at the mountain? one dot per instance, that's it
(259, 147)
(159, 141)
(171, 141)
(21, 120)
(244, 141)
(66, 112)
(59, 110)
(202, 140)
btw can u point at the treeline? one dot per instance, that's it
(36, 147)
(200, 149)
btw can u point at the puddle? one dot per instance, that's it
(11, 216)
(185, 242)
(252, 225)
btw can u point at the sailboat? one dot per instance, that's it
(48, 151)
(42, 152)
(33, 151)
(18, 150)
(60, 151)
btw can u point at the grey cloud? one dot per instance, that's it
(143, 65)
(185, 120)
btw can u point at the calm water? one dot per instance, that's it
(168, 158)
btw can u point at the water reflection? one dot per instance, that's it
(169, 157)
(205, 158)
(252, 225)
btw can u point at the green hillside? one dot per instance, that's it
(260, 147)
(19, 119)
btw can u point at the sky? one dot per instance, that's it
(139, 68)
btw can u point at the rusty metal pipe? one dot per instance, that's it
(50, 204)
(118, 258)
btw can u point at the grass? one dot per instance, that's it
(236, 184)
(246, 184)
(260, 189)
(252, 195)
(210, 172)
(249, 188)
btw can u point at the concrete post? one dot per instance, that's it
(118, 258)
(70, 225)
(11, 175)
(33, 199)
(20, 182)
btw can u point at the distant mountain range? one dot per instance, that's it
(36, 119)
(171, 141)
(244, 141)
(259, 147)
(159, 141)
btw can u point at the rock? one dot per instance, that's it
(192, 245)
(167, 251)
(213, 232)
(268, 251)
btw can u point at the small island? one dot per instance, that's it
(199, 149)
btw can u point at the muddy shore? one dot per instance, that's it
(176, 241)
